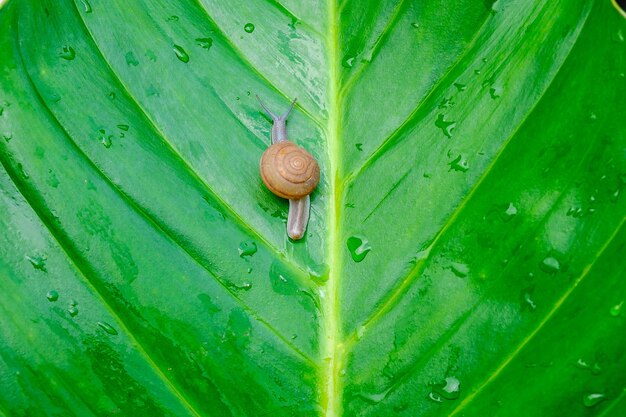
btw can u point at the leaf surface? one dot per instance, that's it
(464, 255)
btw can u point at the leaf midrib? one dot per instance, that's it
(329, 388)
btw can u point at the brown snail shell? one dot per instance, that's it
(289, 171)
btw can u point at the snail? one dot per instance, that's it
(289, 172)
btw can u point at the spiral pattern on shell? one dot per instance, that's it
(289, 171)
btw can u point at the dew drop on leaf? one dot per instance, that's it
(22, 171)
(348, 62)
(248, 27)
(590, 400)
(459, 164)
(107, 328)
(181, 54)
(68, 53)
(52, 295)
(495, 92)
(450, 388)
(38, 262)
(434, 397)
(445, 126)
(86, 6)
(460, 87)
(247, 249)
(206, 43)
(360, 331)
(73, 310)
(446, 103)
(359, 247)
(616, 309)
(106, 141)
(509, 212)
(550, 265)
(376, 397)
(130, 59)
(459, 269)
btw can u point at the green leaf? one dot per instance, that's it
(465, 251)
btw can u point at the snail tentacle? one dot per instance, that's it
(272, 115)
(286, 114)
(279, 127)
(298, 217)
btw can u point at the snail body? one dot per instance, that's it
(289, 171)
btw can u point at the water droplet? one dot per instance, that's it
(459, 164)
(248, 27)
(38, 262)
(181, 54)
(153, 91)
(595, 369)
(293, 23)
(459, 269)
(67, 53)
(528, 301)
(22, 171)
(172, 18)
(106, 141)
(376, 397)
(359, 247)
(247, 248)
(73, 310)
(550, 265)
(593, 399)
(107, 328)
(348, 61)
(575, 212)
(477, 72)
(509, 212)
(52, 296)
(245, 286)
(433, 396)
(460, 87)
(360, 331)
(151, 55)
(86, 6)
(415, 25)
(359, 146)
(616, 309)
(130, 59)
(582, 364)
(123, 127)
(206, 43)
(446, 103)
(445, 126)
(495, 92)
(450, 388)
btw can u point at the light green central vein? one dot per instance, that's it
(332, 350)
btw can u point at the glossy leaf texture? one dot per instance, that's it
(465, 252)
